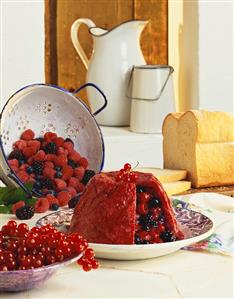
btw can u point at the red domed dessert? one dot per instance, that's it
(125, 208)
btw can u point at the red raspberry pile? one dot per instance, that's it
(51, 163)
(22, 248)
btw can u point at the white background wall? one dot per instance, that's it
(22, 45)
(22, 49)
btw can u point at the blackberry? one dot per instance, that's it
(145, 242)
(58, 174)
(54, 207)
(154, 202)
(72, 163)
(138, 240)
(52, 192)
(29, 170)
(47, 183)
(69, 140)
(146, 221)
(167, 236)
(73, 202)
(25, 212)
(161, 218)
(87, 176)
(40, 139)
(16, 154)
(37, 185)
(50, 148)
(139, 189)
(38, 167)
(57, 168)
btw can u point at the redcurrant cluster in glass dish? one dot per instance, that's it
(22, 248)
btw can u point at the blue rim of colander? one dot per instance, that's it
(12, 175)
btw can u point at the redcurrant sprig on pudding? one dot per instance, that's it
(125, 174)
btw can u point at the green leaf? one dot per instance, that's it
(11, 195)
(5, 209)
(5, 192)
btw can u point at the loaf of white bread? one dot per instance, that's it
(201, 142)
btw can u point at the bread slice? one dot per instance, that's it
(165, 175)
(176, 187)
(202, 142)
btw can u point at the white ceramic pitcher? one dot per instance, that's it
(114, 54)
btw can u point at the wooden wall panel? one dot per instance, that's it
(63, 65)
(154, 39)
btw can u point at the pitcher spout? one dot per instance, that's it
(131, 24)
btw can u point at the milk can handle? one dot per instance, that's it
(99, 90)
(144, 99)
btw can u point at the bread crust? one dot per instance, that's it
(203, 144)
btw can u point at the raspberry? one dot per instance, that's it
(61, 150)
(59, 141)
(17, 205)
(24, 167)
(49, 164)
(80, 187)
(75, 156)
(63, 198)
(79, 173)
(60, 184)
(67, 172)
(75, 183)
(83, 162)
(72, 191)
(40, 156)
(23, 176)
(52, 199)
(13, 162)
(60, 160)
(29, 151)
(68, 146)
(27, 135)
(49, 172)
(20, 144)
(42, 205)
(25, 212)
(50, 157)
(34, 143)
(49, 136)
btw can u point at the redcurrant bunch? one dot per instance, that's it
(125, 174)
(22, 248)
(87, 261)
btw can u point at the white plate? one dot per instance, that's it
(195, 226)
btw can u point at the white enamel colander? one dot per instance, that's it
(44, 108)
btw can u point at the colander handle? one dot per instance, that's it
(99, 90)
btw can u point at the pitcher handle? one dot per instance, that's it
(74, 37)
(99, 90)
